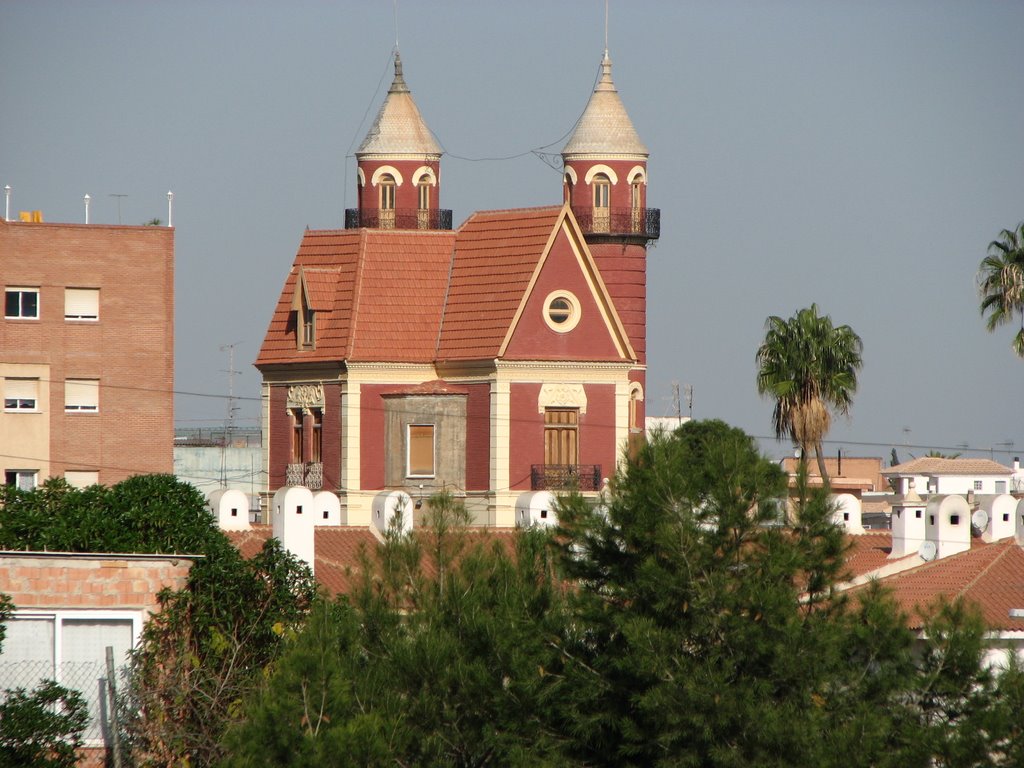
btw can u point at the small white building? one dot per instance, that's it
(951, 476)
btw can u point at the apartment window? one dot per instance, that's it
(420, 450)
(21, 395)
(316, 449)
(387, 192)
(81, 396)
(296, 435)
(22, 479)
(977, 485)
(602, 190)
(80, 478)
(81, 303)
(1000, 486)
(561, 436)
(69, 647)
(424, 193)
(21, 303)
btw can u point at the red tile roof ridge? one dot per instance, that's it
(978, 576)
(535, 210)
(357, 284)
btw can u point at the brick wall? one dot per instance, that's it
(129, 349)
(81, 582)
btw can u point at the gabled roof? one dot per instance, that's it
(989, 575)
(399, 128)
(377, 293)
(605, 129)
(419, 296)
(928, 465)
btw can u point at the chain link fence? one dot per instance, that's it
(87, 677)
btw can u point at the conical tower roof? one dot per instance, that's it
(399, 129)
(605, 129)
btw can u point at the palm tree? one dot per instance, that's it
(810, 368)
(1001, 283)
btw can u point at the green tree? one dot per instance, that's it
(809, 367)
(211, 641)
(1001, 283)
(444, 656)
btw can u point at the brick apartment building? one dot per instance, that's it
(86, 352)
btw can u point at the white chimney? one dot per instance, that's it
(326, 508)
(391, 506)
(292, 520)
(1018, 529)
(998, 513)
(908, 526)
(948, 524)
(846, 512)
(230, 508)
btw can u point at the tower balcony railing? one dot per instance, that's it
(309, 474)
(398, 218)
(565, 477)
(638, 223)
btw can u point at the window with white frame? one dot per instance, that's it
(21, 395)
(81, 303)
(69, 647)
(22, 479)
(420, 450)
(977, 485)
(81, 396)
(21, 303)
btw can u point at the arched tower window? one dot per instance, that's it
(636, 207)
(423, 213)
(387, 201)
(602, 187)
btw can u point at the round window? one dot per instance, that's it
(561, 311)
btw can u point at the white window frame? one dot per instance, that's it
(19, 475)
(83, 478)
(20, 402)
(82, 304)
(58, 617)
(20, 290)
(408, 449)
(76, 399)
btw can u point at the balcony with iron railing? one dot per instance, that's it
(309, 474)
(398, 218)
(617, 223)
(565, 477)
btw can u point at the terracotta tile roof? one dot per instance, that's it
(934, 466)
(989, 575)
(378, 296)
(867, 553)
(435, 387)
(338, 552)
(496, 255)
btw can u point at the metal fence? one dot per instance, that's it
(88, 678)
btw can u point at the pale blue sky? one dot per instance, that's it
(860, 155)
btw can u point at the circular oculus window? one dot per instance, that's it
(561, 311)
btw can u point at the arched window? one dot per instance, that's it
(602, 187)
(423, 214)
(387, 201)
(635, 204)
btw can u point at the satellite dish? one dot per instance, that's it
(980, 519)
(927, 551)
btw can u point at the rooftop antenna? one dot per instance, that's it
(232, 408)
(396, 24)
(606, 28)
(118, 196)
(689, 399)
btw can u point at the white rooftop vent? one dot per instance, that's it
(230, 508)
(392, 506)
(999, 510)
(536, 508)
(948, 524)
(846, 512)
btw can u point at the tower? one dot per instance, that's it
(605, 184)
(398, 168)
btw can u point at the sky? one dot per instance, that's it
(859, 155)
